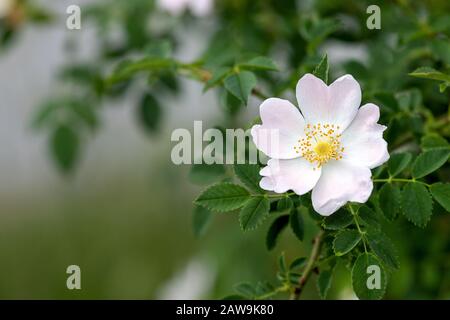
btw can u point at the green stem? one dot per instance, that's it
(362, 233)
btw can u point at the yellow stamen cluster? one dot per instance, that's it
(320, 144)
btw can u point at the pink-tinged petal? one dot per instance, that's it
(282, 127)
(335, 104)
(363, 140)
(297, 175)
(339, 183)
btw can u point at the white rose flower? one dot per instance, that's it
(198, 8)
(329, 145)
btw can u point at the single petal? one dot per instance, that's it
(363, 139)
(282, 127)
(339, 183)
(297, 175)
(335, 104)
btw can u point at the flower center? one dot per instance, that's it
(320, 144)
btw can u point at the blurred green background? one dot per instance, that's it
(124, 215)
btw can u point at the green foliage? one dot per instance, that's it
(65, 147)
(416, 204)
(218, 75)
(322, 69)
(284, 204)
(383, 248)
(433, 141)
(259, 63)
(238, 63)
(390, 197)
(398, 162)
(297, 263)
(338, 220)
(248, 174)
(254, 213)
(203, 173)
(428, 162)
(324, 283)
(278, 225)
(441, 192)
(245, 289)
(241, 84)
(150, 112)
(432, 74)
(201, 220)
(297, 224)
(368, 217)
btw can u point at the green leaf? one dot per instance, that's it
(390, 199)
(297, 263)
(368, 217)
(430, 73)
(387, 101)
(338, 220)
(259, 63)
(398, 162)
(324, 282)
(150, 112)
(160, 48)
(345, 241)
(284, 204)
(223, 197)
(241, 85)
(382, 247)
(275, 230)
(218, 75)
(429, 161)
(441, 193)
(46, 113)
(433, 141)
(441, 50)
(254, 212)
(409, 100)
(417, 204)
(248, 174)
(203, 173)
(201, 219)
(65, 147)
(229, 102)
(84, 112)
(364, 277)
(297, 224)
(321, 70)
